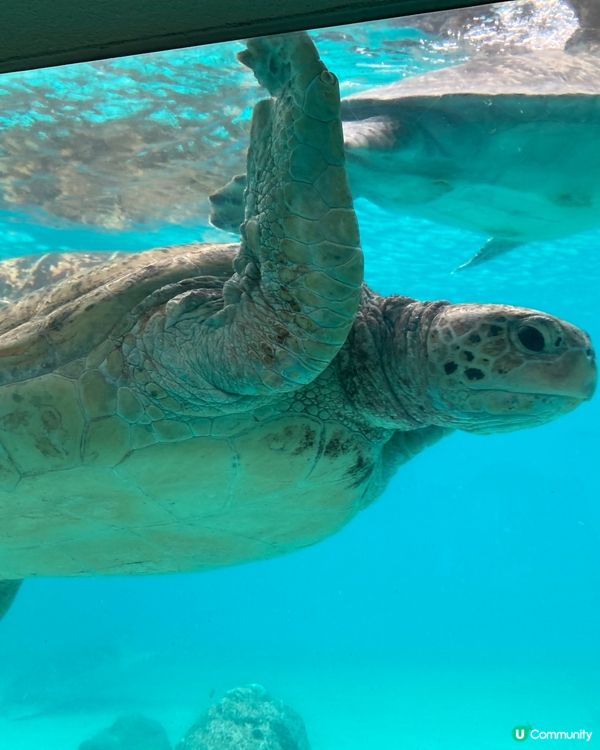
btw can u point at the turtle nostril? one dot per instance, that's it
(531, 338)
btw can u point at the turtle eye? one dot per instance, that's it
(531, 338)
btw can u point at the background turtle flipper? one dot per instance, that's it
(296, 287)
(227, 205)
(492, 248)
(8, 591)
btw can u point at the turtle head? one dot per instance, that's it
(493, 368)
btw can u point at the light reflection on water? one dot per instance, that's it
(143, 140)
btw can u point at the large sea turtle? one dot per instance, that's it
(504, 145)
(202, 405)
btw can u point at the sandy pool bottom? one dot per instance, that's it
(345, 707)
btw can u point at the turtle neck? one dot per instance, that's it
(382, 365)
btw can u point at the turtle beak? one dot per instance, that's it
(592, 374)
(572, 375)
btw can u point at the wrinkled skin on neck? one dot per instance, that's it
(382, 363)
(481, 368)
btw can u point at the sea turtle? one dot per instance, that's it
(202, 405)
(504, 145)
(587, 36)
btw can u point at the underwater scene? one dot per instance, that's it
(254, 505)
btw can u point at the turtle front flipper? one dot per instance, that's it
(296, 288)
(8, 591)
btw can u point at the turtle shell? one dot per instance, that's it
(79, 299)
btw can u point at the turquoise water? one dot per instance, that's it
(464, 602)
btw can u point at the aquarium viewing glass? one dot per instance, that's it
(461, 608)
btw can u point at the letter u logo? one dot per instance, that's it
(520, 733)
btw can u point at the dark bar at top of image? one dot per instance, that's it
(38, 33)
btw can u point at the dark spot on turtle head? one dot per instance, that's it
(494, 330)
(450, 367)
(50, 419)
(360, 470)
(474, 338)
(47, 448)
(333, 448)
(469, 356)
(17, 397)
(282, 441)
(473, 373)
(14, 419)
(307, 441)
(558, 341)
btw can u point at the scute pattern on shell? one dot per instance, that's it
(61, 322)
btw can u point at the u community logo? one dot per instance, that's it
(522, 733)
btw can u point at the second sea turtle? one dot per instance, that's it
(503, 145)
